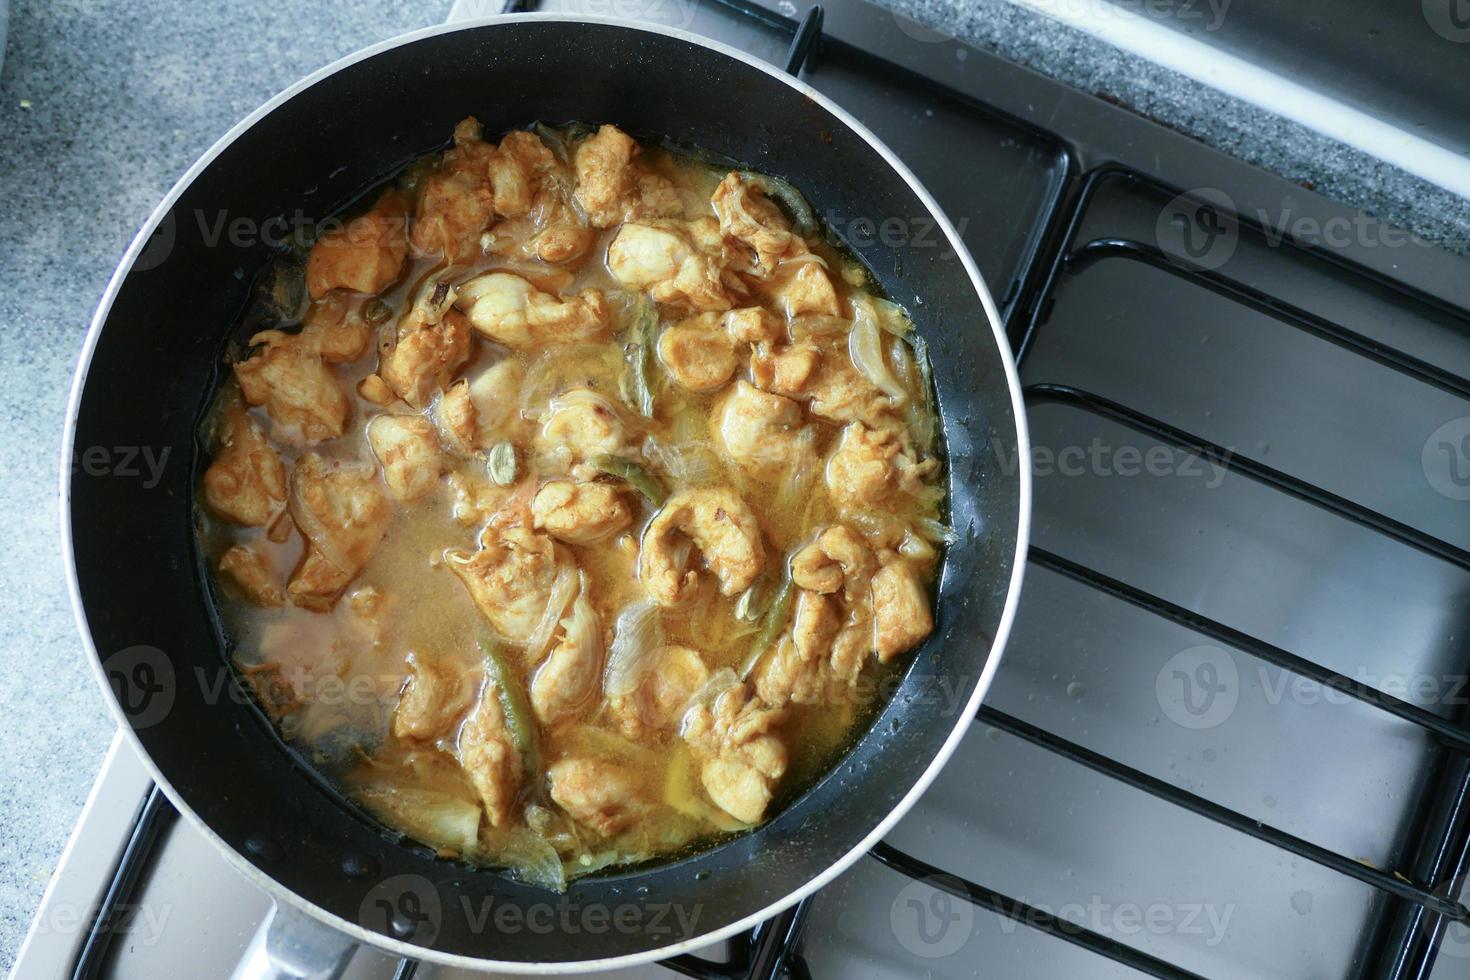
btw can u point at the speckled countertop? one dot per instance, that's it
(103, 103)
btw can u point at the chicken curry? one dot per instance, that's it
(573, 515)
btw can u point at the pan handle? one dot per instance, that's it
(292, 946)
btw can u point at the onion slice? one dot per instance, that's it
(563, 587)
(637, 637)
(865, 347)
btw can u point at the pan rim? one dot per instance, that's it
(280, 893)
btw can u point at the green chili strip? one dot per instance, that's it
(642, 337)
(518, 717)
(776, 619)
(633, 474)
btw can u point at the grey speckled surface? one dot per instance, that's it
(122, 96)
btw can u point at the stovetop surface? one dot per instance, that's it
(1253, 439)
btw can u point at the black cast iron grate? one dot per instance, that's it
(1407, 945)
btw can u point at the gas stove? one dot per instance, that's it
(1228, 736)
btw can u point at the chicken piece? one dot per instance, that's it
(432, 700)
(720, 526)
(408, 450)
(454, 417)
(424, 360)
(839, 393)
(761, 432)
(561, 235)
(457, 202)
(569, 680)
(365, 254)
(579, 425)
(795, 670)
(666, 262)
(662, 693)
(252, 574)
(839, 555)
(581, 513)
(508, 309)
(489, 756)
(788, 372)
(901, 613)
(801, 286)
(747, 216)
(612, 186)
(698, 353)
(336, 332)
(509, 578)
(496, 394)
(870, 466)
(599, 794)
(343, 514)
(740, 757)
(246, 483)
(516, 169)
(289, 377)
(753, 325)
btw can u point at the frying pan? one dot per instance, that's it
(152, 359)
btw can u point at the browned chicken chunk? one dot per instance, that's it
(252, 575)
(433, 699)
(489, 756)
(342, 513)
(740, 757)
(365, 254)
(720, 526)
(613, 186)
(901, 615)
(246, 483)
(599, 794)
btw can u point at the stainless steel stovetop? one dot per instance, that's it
(1227, 737)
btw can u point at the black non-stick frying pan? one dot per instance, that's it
(153, 357)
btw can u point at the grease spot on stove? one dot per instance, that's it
(262, 848)
(1301, 902)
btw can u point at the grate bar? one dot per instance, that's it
(1260, 649)
(988, 898)
(1288, 313)
(1258, 471)
(1224, 816)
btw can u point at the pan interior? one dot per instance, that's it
(155, 366)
